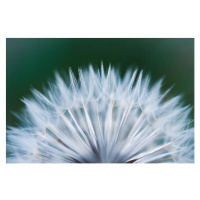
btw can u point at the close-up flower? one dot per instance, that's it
(101, 117)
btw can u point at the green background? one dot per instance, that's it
(32, 62)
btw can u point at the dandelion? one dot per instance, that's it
(101, 118)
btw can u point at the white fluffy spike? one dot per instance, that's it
(102, 118)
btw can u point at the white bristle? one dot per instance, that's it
(102, 118)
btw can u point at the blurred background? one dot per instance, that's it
(32, 62)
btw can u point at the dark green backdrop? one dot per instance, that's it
(31, 62)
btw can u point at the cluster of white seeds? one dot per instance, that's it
(101, 118)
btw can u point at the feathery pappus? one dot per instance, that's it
(101, 118)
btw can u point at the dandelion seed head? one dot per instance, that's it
(101, 118)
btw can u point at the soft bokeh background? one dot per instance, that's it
(32, 62)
